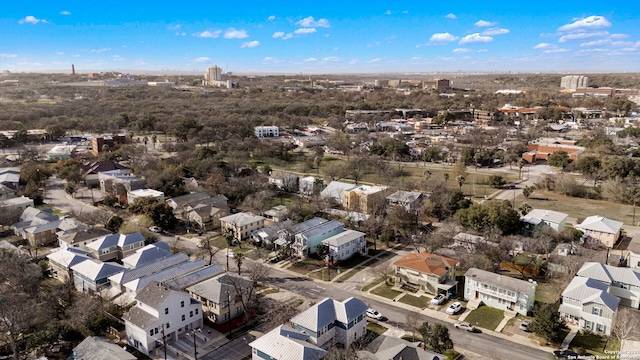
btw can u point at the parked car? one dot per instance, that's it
(438, 299)
(155, 229)
(525, 325)
(565, 354)
(465, 326)
(454, 308)
(374, 314)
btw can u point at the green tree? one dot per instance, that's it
(159, 212)
(436, 337)
(548, 324)
(114, 223)
(527, 191)
(491, 214)
(525, 209)
(559, 159)
(497, 181)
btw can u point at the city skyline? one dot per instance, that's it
(331, 37)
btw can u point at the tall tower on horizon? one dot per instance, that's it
(214, 73)
(73, 69)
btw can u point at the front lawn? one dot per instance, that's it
(485, 317)
(376, 328)
(385, 290)
(372, 284)
(594, 344)
(417, 301)
(305, 266)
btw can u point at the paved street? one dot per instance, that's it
(55, 196)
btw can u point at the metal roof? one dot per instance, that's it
(322, 228)
(608, 274)
(536, 216)
(164, 275)
(95, 269)
(501, 281)
(286, 343)
(600, 223)
(144, 255)
(150, 268)
(195, 277)
(587, 290)
(241, 219)
(343, 238)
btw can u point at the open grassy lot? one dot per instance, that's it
(485, 317)
(577, 207)
(594, 344)
(305, 266)
(385, 291)
(417, 301)
(549, 291)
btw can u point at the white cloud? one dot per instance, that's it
(375, 60)
(31, 20)
(596, 43)
(451, 16)
(582, 35)
(232, 33)
(443, 38)
(619, 36)
(101, 50)
(250, 44)
(310, 22)
(175, 27)
(543, 46)
(388, 12)
(591, 22)
(353, 62)
(268, 58)
(331, 58)
(181, 33)
(277, 34)
(495, 31)
(8, 56)
(475, 38)
(60, 53)
(202, 59)
(559, 50)
(208, 34)
(622, 43)
(461, 50)
(65, 12)
(287, 36)
(484, 23)
(311, 59)
(118, 58)
(271, 18)
(304, 31)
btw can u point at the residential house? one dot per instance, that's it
(537, 219)
(79, 238)
(99, 348)
(241, 224)
(469, 242)
(147, 254)
(115, 246)
(284, 180)
(277, 213)
(285, 343)
(633, 254)
(499, 291)
(160, 312)
(622, 282)
(411, 201)
(144, 193)
(587, 304)
(61, 261)
(10, 177)
(14, 205)
(306, 242)
(186, 280)
(267, 131)
(207, 213)
(267, 236)
(288, 233)
(333, 191)
(36, 226)
(346, 244)
(364, 198)
(310, 185)
(6, 192)
(119, 183)
(432, 273)
(331, 322)
(599, 230)
(179, 203)
(93, 275)
(222, 297)
(91, 171)
(395, 348)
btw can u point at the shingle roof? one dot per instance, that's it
(404, 196)
(504, 282)
(588, 290)
(427, 263)
(139, 317)
(241, 219)
(100, 348)
(82, 235)
(286, 343)
(600, 223)
(215, 289)
(155, 294)
(184, 199)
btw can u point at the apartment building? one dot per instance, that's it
(499, 291)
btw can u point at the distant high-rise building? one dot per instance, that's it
(213, 73)
(573, 82)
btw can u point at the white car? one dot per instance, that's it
(438, 299)
(524, 326)
(374, 314)
(465, 326)
(155, 229)
(454, 308)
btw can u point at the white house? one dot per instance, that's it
(310, 185)
(285, 343)
(160, 311)
(499, 291)
(266, 131)
(537, 219)
(622, 282)
(93, 275)
(587, 304)
(346, 244)
(142, 193)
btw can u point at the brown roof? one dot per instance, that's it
(427, 263)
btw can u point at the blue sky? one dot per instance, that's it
(321, 37)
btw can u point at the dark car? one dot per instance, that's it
(565, 354)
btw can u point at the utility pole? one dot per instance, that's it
(229, 310)
(164, 341)
(195, 346)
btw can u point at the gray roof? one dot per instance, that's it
(286, 343)
(100, 348)
(155, 294)
(343, 238)
(402, 196)
(164, 275)
(215, 289)
(537, 216)
(600, 223)
(120, 240)
(95, 269)
(335, 188)
(327, 311)
(588, 290)
(306, 225)
(501, 281)
(79, 236)
(181, 282)
(608, 274)
(68, 257)
(185, 199)
(328, 226)
(149, 268)
(147, 254)
(393, 348)
(241, 219)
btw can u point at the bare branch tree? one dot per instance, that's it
(626, 321)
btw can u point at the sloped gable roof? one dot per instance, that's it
(286, 343)
(95, 269)
(588, 290)
(600, 223)
(427, 263)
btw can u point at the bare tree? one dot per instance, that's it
(413, 323)
(626, 322)
(383, 269)
(94, 217)
(207, 248)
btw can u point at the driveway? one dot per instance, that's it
(55, 196)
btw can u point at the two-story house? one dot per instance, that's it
(431, 273)
(622, 282)
(285, 342)
(61, 261)
(587, 304)
(538, 219)
(363, 198)
(310, 185)
(346, 244)
(599, 230)
(306, 242)
(411, 201)
(241, 224)
(333, 191)
(79, 238)
(222, 297)
(284, 180)
(160, 312)
(499, 291)
(115, 246)
(93, 275)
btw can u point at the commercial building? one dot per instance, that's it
(573, 82)
(112, 141)
(541, 148)
(266, 131)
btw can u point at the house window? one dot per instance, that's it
(166, 311)
(151, 332)
(182, 303)
(168, 325)
(155, 331)
(191, 313)
(596, 311)
(196, 311)
(183, 317)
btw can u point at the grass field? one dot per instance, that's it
(594, 344)
(417, 301)
(548, 292)
(485, 317)
(372, 284)
(385, 291)
(376, 328)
